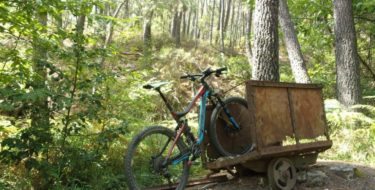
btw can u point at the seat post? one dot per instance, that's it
(165, 100)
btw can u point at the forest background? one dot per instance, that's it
(71, 75)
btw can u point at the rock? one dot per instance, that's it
(261, 182)
(302, 176)
(345, 171)
(316, 178)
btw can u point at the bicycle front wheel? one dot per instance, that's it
(145, 160)
(227, 138)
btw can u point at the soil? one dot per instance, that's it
(364, 181)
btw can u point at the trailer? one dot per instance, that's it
(286, 123)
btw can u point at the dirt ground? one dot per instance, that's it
(365, 181)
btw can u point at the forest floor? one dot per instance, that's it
(364, 180)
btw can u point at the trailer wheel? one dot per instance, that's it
(282, 174)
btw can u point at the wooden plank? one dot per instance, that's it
(292, 115)
(250, 92)
(308, 113)
(270, 152)
(255, 83)
(272, 116)
(231, 161)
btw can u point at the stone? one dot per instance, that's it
(302, 176)
(345, 171)
(316, 178)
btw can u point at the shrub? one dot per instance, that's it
(352, 131)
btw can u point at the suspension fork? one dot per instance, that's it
(227, 113)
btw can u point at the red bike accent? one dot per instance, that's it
(179, 132)
(200, 93)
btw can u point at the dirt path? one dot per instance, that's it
(364, 181)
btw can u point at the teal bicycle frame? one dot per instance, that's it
(203, 93)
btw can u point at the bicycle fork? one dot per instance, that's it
(227, 113)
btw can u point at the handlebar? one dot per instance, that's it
(191, 77)
(204, 74)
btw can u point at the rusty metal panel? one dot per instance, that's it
(272, 115)
(308, 112)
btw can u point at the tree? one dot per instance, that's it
(227, 15)
(221, 24)
(109, 27)
(147, 34)
(266, 41)
(212, 20)
(176, 26)
(292, 45)
(40, 113)
(249, 16)
(347, 62)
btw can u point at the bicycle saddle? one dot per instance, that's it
(155, 85)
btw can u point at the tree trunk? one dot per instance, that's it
(231, 26)
(196, 31)
(347, 62)
(227, 14)
(192, 33)
(237, 24)
(147, 33)
(266, 42)
(212, 20)
(40, 113)
(187, 32)
(249, 53)
(293, 47)
(183, 23)
(109, 30)
(218, 23)
(222, 17)
(127, 9)
(174, 24)
(178, 30)
(147, 36)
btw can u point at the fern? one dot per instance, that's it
(352, 132)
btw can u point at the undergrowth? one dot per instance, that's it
(352, 131)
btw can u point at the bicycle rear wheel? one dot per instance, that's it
(226, 138)
(144, 158)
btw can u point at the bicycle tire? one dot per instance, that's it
(135, 162)
(227, 140)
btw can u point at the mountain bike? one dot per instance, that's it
(159, 155)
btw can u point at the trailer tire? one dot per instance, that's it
(281, 174)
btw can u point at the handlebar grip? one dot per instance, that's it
(221, 69)
(184, 77)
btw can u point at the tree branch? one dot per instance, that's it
(367, 66)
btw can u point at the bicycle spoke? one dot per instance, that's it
(227, 138)
(147, 164)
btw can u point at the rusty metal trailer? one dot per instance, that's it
(286, 123)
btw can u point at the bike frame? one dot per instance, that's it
(202, 94)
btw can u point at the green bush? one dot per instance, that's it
(352, 131)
